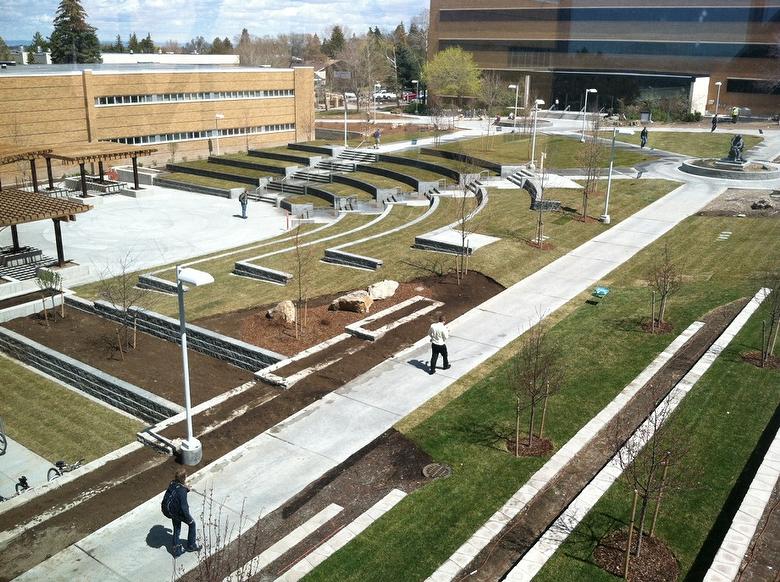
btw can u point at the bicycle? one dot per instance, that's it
(61, 467)
(3, 440)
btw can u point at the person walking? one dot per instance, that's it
(734, 114)
(439, 335)
(243, 199)
(714, 123)
(643, 137)
(175, 507)
(377, 138)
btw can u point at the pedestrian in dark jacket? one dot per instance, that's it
(181, 514)
(643, 137)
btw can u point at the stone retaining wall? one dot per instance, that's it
(116, 392)
(419, 185)
(205, 341)
(214, 174)
(149, 281)
(379, 194)
(331, 151)
(308, 161)
(421, 164)
(447, 155)
(189, 187)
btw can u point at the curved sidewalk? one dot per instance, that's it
(300, 449)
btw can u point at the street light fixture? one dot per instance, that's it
(585, 111)
(514, 117)
(537, 103)
(416, 84)
(717, 100)
(217, 117)
(191, 449)
(605, 217)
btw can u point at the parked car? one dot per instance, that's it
(350, 96)
(408, 95)
(384, 95)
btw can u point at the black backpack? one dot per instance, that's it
(170, 505)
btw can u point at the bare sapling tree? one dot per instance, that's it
(652, 461)
(49, 283)
(229, 546)
(589, 158)
(302, 273)
(117, 286)
(665, 280)
(468, 214)
(768, 344)
(493, 92)
(537, 372)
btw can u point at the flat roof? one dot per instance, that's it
(20, 207)
(137, 68)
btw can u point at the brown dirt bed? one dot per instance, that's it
(738, 200)
(155, 365)
(656, 563)
(27, 297)
(252, 326)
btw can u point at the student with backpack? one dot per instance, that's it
(175, 507)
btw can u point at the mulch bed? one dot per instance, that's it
(659, 328)
(655, 564)
(545, 246)
(155, 365)
(754, 358)
(252, 326)
(539, 447)
(396, 315)
(27, 297)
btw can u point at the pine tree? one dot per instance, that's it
(216, 46)
(132, 44)
(147, 44)
(73, 40)
(227, 46)
(5, 52)
(119, 47)
(335, 44)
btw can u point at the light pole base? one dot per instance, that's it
(191, 452)
(604, 218)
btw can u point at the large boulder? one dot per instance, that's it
(357, 302)
(284, 312)
(383, 290)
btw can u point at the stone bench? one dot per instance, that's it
(246, 269)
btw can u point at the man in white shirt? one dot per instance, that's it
(439, 334)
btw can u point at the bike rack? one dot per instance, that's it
(159, 443)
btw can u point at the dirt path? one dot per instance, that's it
(523, 531)
(124, 484)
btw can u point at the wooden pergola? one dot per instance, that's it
(20, 207)
(10, 153)
(101, 151)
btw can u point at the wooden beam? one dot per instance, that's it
(49, 173)
(58, 239)
(34, 172)
(83, 180)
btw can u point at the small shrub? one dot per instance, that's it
(325, 322)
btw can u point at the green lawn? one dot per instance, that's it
(380, 181)
(514, 149)
(55, 422)
(309, 199)
(344, 190)
(424, 175)
(694, 144)
(723, 417)
(461, 167)
(461, 427)
(386, 137)
(253, 160)
(203, 181)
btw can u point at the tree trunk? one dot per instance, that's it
(45, 311)
(517, 428)
(642, 515)
(544, 411)
(531, 424)
(62, 304)
(662, 309)
(119, 345)
(772, 338)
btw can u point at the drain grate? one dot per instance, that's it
(437, 471)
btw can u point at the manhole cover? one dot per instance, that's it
(437, 471)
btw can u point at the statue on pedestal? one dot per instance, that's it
(737, 145)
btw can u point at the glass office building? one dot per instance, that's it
(626, 48)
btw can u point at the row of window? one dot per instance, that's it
(762, 14)
(204, 134)
(619, 47)
(753, 86)
(203, 96)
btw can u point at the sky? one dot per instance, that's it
(182, 20)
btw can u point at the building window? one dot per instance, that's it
(109, 100)
(205, 134)
(754, 86)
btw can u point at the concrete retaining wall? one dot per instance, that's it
(214, 174)
(149, 281)
(123, 395)
(379, 194)
(331, 151)
(189, 187)
(247, 269)
(352, 260)
(421, 164)
(205, 341)
(492, 166)
(308, 161)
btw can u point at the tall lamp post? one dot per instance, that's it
(516, 87)
(537, 103)
(585, 112)
(377, 86)
(217, 117)
(416, 84)
(191, 449)
(345, 118)
(605, 217)
(717, 101)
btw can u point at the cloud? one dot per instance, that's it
(184, 19)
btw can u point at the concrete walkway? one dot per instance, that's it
(319, 437)
(19, 460)
(163, 226)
